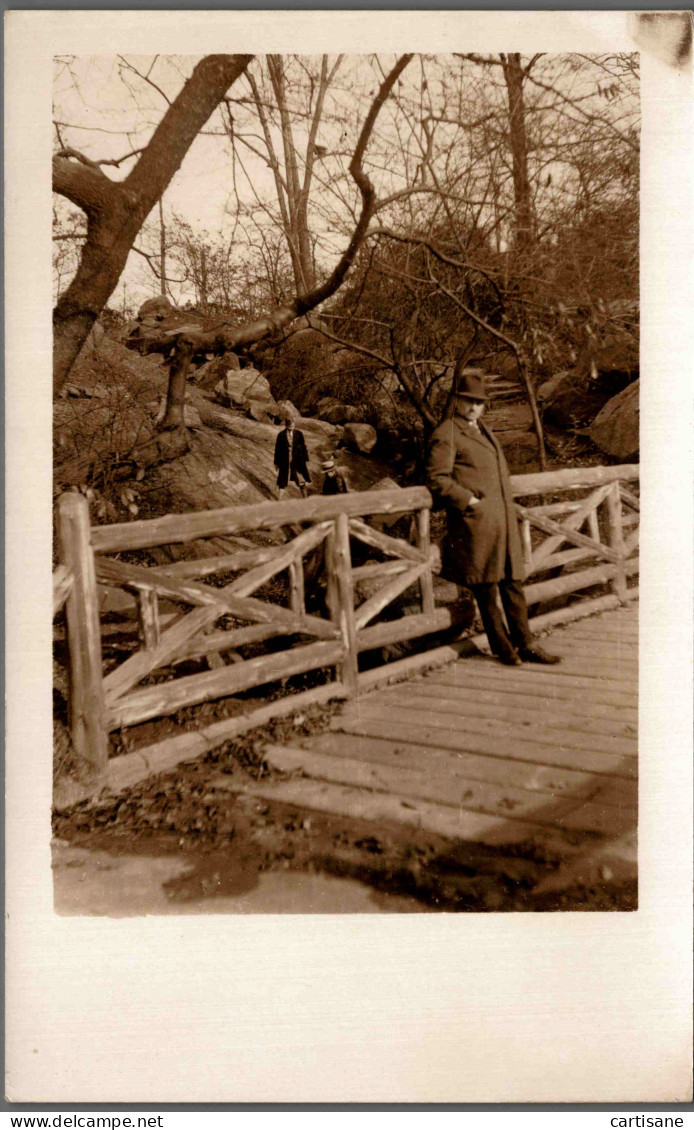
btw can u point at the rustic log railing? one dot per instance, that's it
(180, 617)
(178, 612)
(599, 523)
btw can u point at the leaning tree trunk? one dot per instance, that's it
(110, 235)
(116, 210)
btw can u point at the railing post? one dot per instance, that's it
(86, 707)
(297, 598)
(616, 539)
(148, 618)
(426, 584)
(340, 595)
(526, 544)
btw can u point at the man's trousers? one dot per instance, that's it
(518, 636)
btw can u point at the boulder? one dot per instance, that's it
(615, 430)
(360, 437)
(326, 404)
(546, 392)
(445, 592)
(155, 308)
(288, 411)
(340, 414)
(396, 524)
(266, 411)
(236, 386)
(311, 426)
(208, 375)
(385, 484)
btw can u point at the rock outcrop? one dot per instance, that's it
(239, 385)
(338, 413)
(615, 430)
(288, 411)
(360, 437)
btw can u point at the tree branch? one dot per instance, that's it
(522, 368)
(460, 264)
(83, 183)
(145, 78)
(226, 338)
(584, 113)
(180, 125)
(117, 210)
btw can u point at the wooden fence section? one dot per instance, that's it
(217, 619)
(597, 528)
(212, 606)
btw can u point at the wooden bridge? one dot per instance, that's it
(481, 752)
(465, 748)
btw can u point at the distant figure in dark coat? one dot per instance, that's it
(334, 481)
(291, 459)
(468, 470)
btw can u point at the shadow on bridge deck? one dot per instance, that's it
(531, 758)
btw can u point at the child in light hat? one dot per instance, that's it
(333, 481)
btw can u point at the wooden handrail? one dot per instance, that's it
(571, 477)
(175, 528)
(329, 523)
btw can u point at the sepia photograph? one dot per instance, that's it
(348, 715)
(346, 478)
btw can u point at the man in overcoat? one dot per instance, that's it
(468, 471)
(291, 458)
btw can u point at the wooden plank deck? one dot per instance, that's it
(481, 752)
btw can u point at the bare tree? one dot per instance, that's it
(514, 76)
(225, 337)
(115, 211)
(293, 167)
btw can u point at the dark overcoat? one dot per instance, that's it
(483, 543)
(299, 458)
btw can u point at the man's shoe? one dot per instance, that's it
(510, 659)
(537, 654)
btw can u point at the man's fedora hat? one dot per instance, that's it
(470, 385)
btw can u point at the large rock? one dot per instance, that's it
(340, 414)
(615, 430)
(399, 524)
(548, 389)
(385, 484)
(208, 375)
(155, 308)
(360, 437)
(309, 425)
(327, 404)
(288, 411)
(237, 386)
(263, 410)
